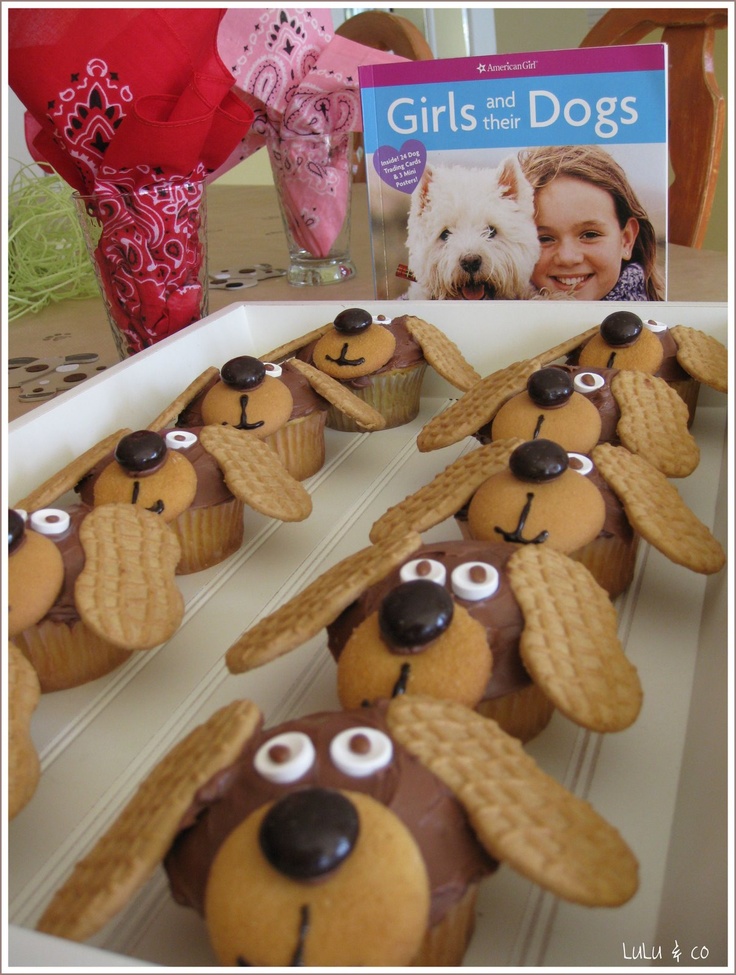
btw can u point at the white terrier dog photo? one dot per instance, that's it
(471, 234)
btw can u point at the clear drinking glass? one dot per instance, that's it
(148, 245)
(313, 179)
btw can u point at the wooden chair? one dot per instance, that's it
(696, 106)
(382, 31)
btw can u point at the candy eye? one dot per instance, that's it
(180, 439)
(475, 580)
(424, 569)
(359, 752)
(588, 382)
(654, 326)
(580, 463)
(273, 369)
(50, 521)
(285, 757)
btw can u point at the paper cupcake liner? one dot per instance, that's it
(610, 560)
(446, 942)
(300, 444)
(395, 394)
(523, 714)
(208, 535)
(66, 655)
(688, 391)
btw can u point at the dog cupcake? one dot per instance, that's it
(383, 361)
(198, 481)
(590, 508)
(556, 401)
(282, 401)
(679, 355)
(344, 839)
(462, 621)
(89, 588)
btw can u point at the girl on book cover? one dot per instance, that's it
(597, 242)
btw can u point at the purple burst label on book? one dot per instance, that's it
(401, 168)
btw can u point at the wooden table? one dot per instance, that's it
(244, 228)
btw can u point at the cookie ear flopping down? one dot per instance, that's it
(303, 616)
(125, 857)
(569, 644)
(521, 815)
(654, 423)
(657, 512)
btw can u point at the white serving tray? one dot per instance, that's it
(663, 782)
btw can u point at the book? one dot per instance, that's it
(436, 132)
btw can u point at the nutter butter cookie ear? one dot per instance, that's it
(126, 856)
(586, 675)
(654, 423)
(479, 404)
(654, 507)
(305, 615)
(446, 493)
(126, 592)
(24, 768)
(442, 354)
(255, 475)
(702, 356)
(522, 815)
(340, 397)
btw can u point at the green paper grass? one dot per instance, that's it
(47, 255)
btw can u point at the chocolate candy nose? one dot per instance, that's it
(309, 833)
(538, 460)
(352, 320)
(621, 328)
(549, 387)
(243, 372)
(16, 528)
(414, 613)
(141, 451)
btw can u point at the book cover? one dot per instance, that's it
(510, 176)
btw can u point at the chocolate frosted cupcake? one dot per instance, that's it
(272, 401)
(171, 473)
(382, 831)
(45, 559)
(478, 663)
(549, 496)
(344, 839)
(378, 359)
(625, 341)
